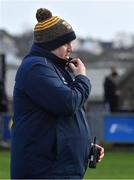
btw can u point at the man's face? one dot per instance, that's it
(63, 51)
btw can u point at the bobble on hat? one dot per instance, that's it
(51, 31)
(43, 14)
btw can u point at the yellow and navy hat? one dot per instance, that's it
(51, 31)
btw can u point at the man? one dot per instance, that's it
(111, 91)
(50, 136)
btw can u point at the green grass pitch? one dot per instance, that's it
(116, 165)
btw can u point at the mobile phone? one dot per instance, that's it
(94, 154)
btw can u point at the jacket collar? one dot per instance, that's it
(38, 51)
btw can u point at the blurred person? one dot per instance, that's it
(111, 91)
(3, 95)
(3, 99)
(50, 135)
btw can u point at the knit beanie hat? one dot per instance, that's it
(51, 31)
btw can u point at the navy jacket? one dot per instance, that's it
(50, 136)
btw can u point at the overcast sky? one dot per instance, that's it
(89, 18)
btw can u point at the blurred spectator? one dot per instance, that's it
(111, 91)
(3, 98)
(3, 109)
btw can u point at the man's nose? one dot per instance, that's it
(69, 48)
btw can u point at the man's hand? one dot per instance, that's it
(101, 156)
(77, 66)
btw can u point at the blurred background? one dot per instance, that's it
(105, 43)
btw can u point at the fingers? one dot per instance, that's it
(76, 59)
(75, 62)
(72, 64)
(101, 156)
(77, 66)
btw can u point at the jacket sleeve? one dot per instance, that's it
(45, 88)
